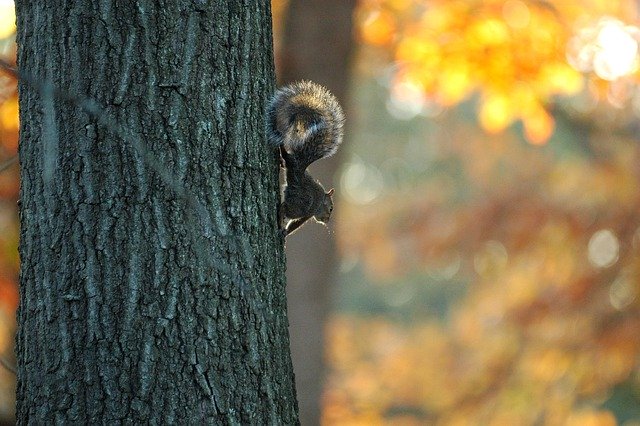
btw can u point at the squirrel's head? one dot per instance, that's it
(324, 213)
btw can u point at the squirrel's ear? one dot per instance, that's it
(331, 191)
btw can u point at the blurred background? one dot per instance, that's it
(483, 265)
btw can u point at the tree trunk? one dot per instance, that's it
(317, 46)
(152, 277)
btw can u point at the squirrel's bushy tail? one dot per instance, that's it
(307, 120)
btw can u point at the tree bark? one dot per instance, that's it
(152, 276)
(317, 46)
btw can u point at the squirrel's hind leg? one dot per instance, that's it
(295, 224)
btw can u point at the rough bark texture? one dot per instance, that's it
(317, 46)
(152, 279)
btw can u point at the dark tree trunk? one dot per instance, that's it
(152, 278)
(317, 46)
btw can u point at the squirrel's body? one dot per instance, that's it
(305, 196)
(305, 121)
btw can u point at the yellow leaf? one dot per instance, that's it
(9, 114)
(455, 82)
(496, 113)
(538, 126)
(378, 28)
(7, 18)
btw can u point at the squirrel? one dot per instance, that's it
(305, 121)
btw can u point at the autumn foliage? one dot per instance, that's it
(490, 281)
(511, 55)
(544, 324)
(8, 188)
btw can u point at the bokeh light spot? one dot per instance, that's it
(622, 292)
(618, 51)
(609, 49)
(361, 183)
(603, 248)
(492, 258)
(406, 100)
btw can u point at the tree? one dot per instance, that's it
(152, 276)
